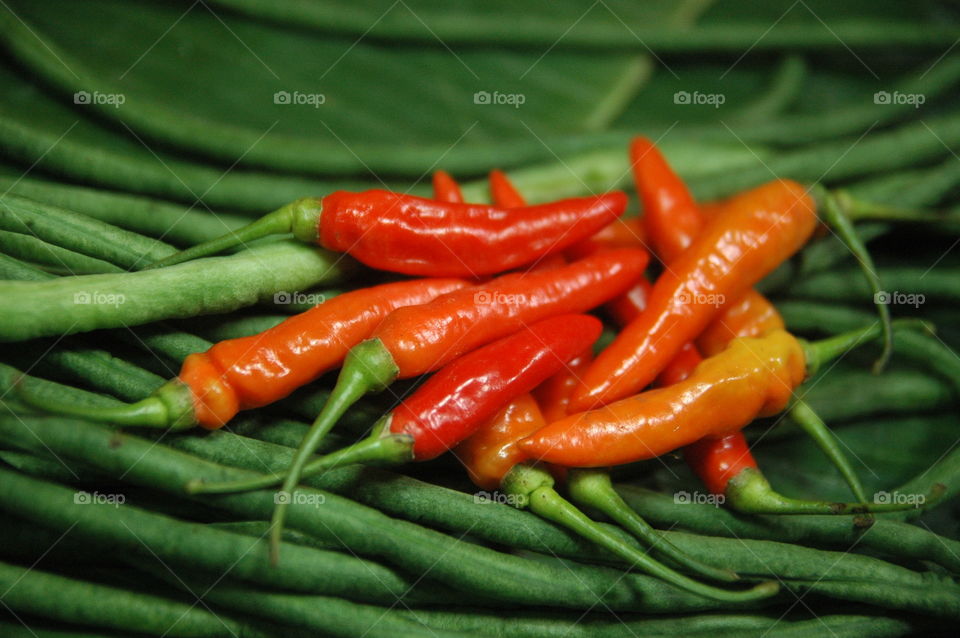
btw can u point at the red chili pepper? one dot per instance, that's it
(455, 401)
(418, 236)
(716, 460)
(446, 189)
(757, 231)
(503, 192)
(249, 372)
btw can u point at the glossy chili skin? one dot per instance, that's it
(716, 460)
(756, 231)
(464, 394)
(249, 372)
(423, 338)
(754, 377)
(751, 315)
(418, 236)
(446, 189)
(492, 450)
(553, 395)
(671, 217)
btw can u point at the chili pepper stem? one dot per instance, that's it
(393, 449)
(170, 406)
(595, 489)
(368, 367)
(532, 487)
(829, 444)
(837, 219)
(751, 493)
(301, 217)
(823, 351)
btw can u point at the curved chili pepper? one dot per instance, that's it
(493, 460)
(253, 371)
(716, 460)
(752, 378)
(418, 236)
(454, 402)
(446, 189)
(757, 231)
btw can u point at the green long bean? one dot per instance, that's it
(34, 250)
(137, 532)
(77, 304)
(31, 591)
(79, 233)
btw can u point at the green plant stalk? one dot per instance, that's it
(57, 307)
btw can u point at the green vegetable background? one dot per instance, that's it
(130, 130)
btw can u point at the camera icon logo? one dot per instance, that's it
(681, 97)
(82, 97)
(881, 297)
(281, 97)
(882, 97)
(82, 498)
(282, 498)
(682, 498)
(481, 97)
(81, 298)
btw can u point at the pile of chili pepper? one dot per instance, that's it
(514, 388)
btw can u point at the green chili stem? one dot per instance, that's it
(820, 352)
(533, 488)
(299, 217)
(374, 449)
(750, 492)
(368, 367)
(837, 219)
(171, 406)
(829, 444)
(594, 489)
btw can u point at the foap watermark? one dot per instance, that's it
(897, 298)
(96, 298)
(698, 498)
(701, 298)
(511, 99)
(513, 500)
(296, 98)
(298, 498)
(899, 498)
(697, 98)
(886, 97)
(485, 297)
(284, 298)
(97, 498)
(115, 100)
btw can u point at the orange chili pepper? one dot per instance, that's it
(249, 372)
(754, 233)
(753, 377)
(752, 315)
